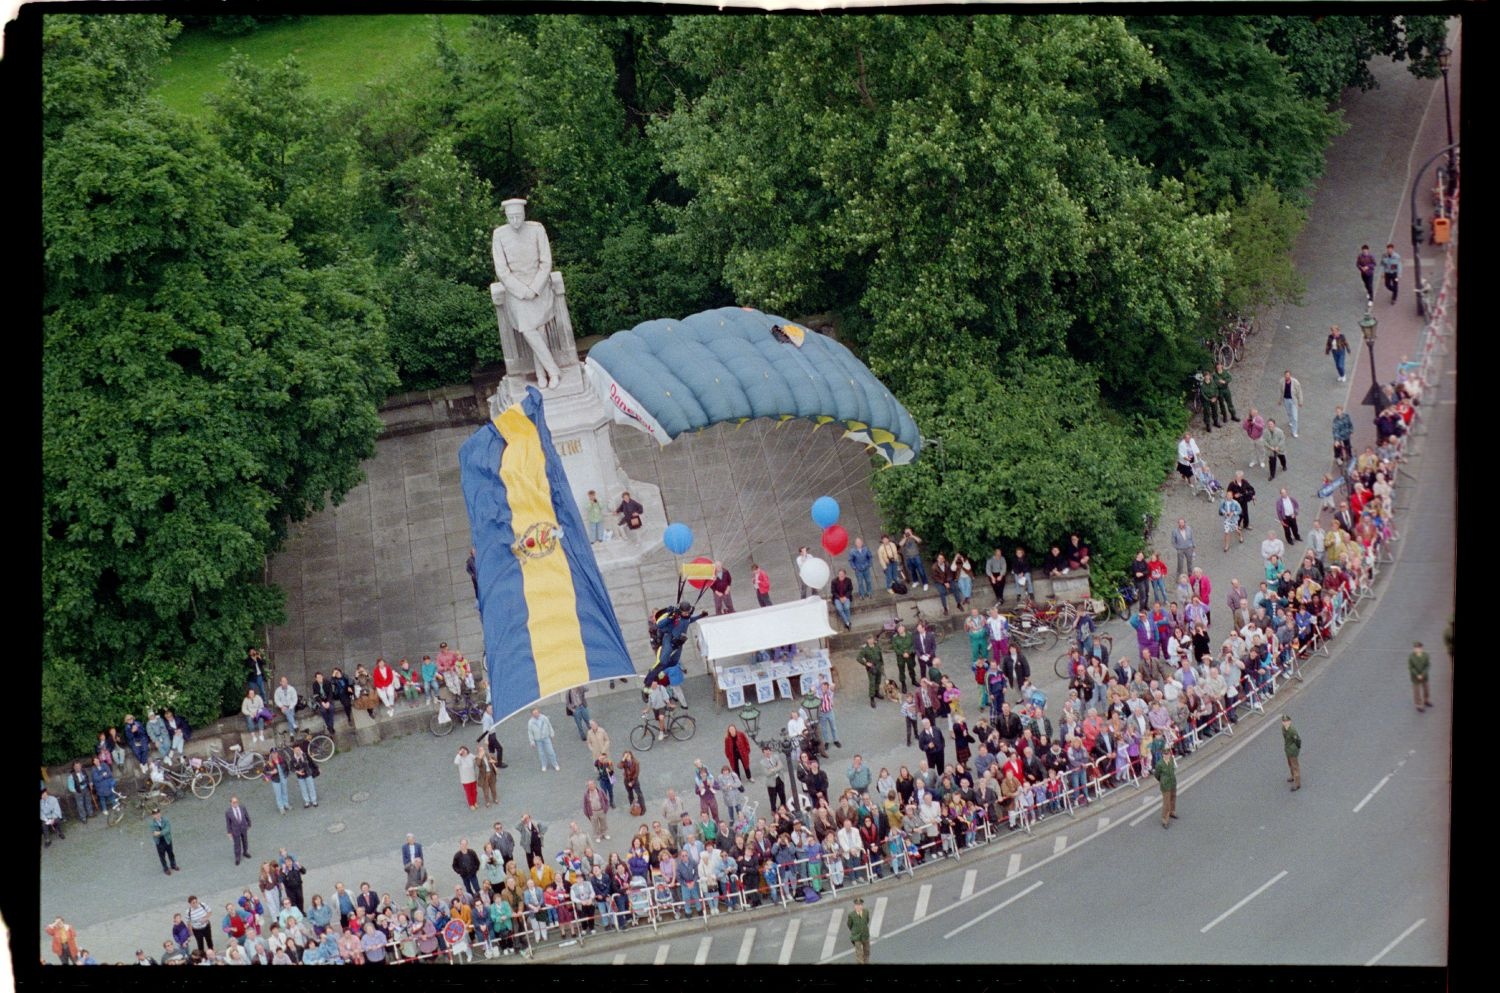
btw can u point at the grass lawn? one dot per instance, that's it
(339, 52)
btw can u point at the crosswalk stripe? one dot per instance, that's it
(745, 946)
(831, 936)
(969, 878)
(619, 958)
(661, 953)
(1014, 866)
(789, 941)
(1060, 844)
(702, 955)
(923, 895)
(877, 917)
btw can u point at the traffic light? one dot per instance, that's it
(1418, 230)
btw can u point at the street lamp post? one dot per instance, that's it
(750, 717)
(1367, 325)
(1445, 58)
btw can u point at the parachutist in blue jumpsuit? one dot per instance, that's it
(672, 631)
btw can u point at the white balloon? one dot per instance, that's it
(814, 573)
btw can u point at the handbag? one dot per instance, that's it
(634, 522)
(266, 714)
(636, 810)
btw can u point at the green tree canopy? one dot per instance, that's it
(90, 63)
(201, 388)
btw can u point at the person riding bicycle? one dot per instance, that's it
(660, 702)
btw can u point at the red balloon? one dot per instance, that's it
(699, 584)
(835, 539)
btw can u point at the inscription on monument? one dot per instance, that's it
(573, 446)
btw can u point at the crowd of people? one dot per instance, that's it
(1121, 717)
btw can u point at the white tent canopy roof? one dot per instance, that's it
(765, 627)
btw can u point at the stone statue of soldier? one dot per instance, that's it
(523, 294)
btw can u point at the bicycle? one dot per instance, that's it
(1060, 664)
(319, 747)
(1063, 616)
(1030, 633)
(645, 734)
(115, 812)
(246, 765)
(466, 711)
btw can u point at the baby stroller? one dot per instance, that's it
(640, 901)
(1203, 481)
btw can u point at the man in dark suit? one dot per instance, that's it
(411, 850)
(930, 741)
(1344, 518)
(924, 644)
(368, 901)
(1017, 666)
(237, 826)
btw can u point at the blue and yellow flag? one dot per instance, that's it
(548, 622)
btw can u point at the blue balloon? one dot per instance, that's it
(825, 511)
(678, 538)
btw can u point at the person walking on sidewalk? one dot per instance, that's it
(1343, 431)
(1419, 665)
(1292, 742)
(1166, 775)
(1243, 492)
(1182, 541)
(161, 835)
(1390, 270)
(539, 734)
(1337, 346)
(1275, 442)
(762, 584)
(1291, 400)
(1230, 510)
(1255, 429)
(1365, 263)
(1286, 513)
(576, 701)
(859, 931)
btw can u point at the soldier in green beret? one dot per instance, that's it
(874, 664)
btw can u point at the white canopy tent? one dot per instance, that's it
(740, 635)
(764, 627)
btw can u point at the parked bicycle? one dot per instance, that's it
(1101, 641)
(319, 747)
(114, 812)
(1027, 632)
(244, 765)
(465, 710)
(645, 734)
(1062, 616)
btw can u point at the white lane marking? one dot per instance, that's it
(1150, 809)
(619, 959)
(1399, 938)
(702, 955)
(969, 878)
(1059, 845)
(1103, 822)
(922, 897)
(744, 955)
(831, 935)
(1371, 795)
(661, 953)
(877, 917)
(1014, 866)
(995, 909)
(1258, 891)
(789, 941)
(1241, 741)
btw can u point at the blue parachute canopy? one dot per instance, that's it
(667, 377)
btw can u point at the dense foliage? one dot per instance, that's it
(203, 384)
